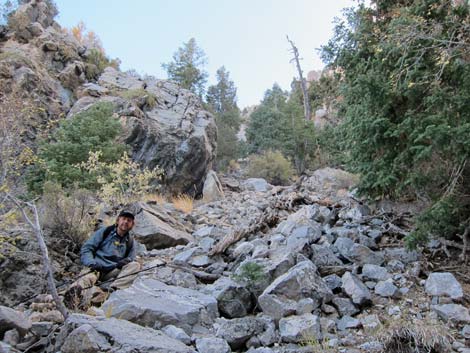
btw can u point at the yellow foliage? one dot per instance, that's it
(183, 203)
(123, 180)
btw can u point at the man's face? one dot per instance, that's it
(124, 224)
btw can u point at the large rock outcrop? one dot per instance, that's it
(175, 134)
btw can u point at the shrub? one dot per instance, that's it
(251, 272)
(92, 130)
(67, 217)
(120, 182)
(272, 166)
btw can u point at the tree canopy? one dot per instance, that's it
(405, 88)
(187, 67)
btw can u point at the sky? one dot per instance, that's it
(248, 37)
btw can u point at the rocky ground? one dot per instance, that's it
(304, 268)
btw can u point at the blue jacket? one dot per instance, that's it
(108, 252)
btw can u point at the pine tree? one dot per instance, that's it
(187, 67)
(222, 101)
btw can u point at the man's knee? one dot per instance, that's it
(133, 266)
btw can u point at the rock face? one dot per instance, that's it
(176, 134)
(212, 190)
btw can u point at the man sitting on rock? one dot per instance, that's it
(108, 254)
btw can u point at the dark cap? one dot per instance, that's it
(125, 213)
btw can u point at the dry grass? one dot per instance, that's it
(405, 335)
(158, 198)
(183, 203)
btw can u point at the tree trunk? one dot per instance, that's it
(303, 85)
(36, 227)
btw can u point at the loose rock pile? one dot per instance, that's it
(322, 276)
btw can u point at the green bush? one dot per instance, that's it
(92, 130)
(272, 166)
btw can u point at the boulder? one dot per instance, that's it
(387, 289)
(280, 298)
(212, 189)
(455, 313)
(256, 184)
(156, 229)
(375, 273)
(12, 319)
(355, 289)
(443, 284)
(84, 334)
(238, 331)
(233, 299)
(297, 329)
(330, 182)
(345, 306)
(212, 345)
(149, 302)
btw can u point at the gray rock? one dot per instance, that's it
(212, 345)
(375, 234)
(370, 324)
(114, 79)
(295, 329)
(375, 273)
(347, 322)
(330, 182)
(443, 284)
(238, 331)
(149, 302)
(333, 282)
(387, 289)
(323, 256)
(361, 255)
(233, 299)
(466, 331)
(256, 184)
(6, 348)
(356, 213)
(11, 337)
(156, 229)
(260, 350)
(301, 281)
(452, 312)
(83, 334)
(344, 246)
(12, 319)
(345, 306)
(212, 189)
(177, 334)
(355, 289)
(401, 254)
(244, 248)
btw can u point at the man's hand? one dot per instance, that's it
(123, 262)
(96, 267)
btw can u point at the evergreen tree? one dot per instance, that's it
(405, 90)
(92, 130)
(222, 101)
(279, 124)
(187, 67)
